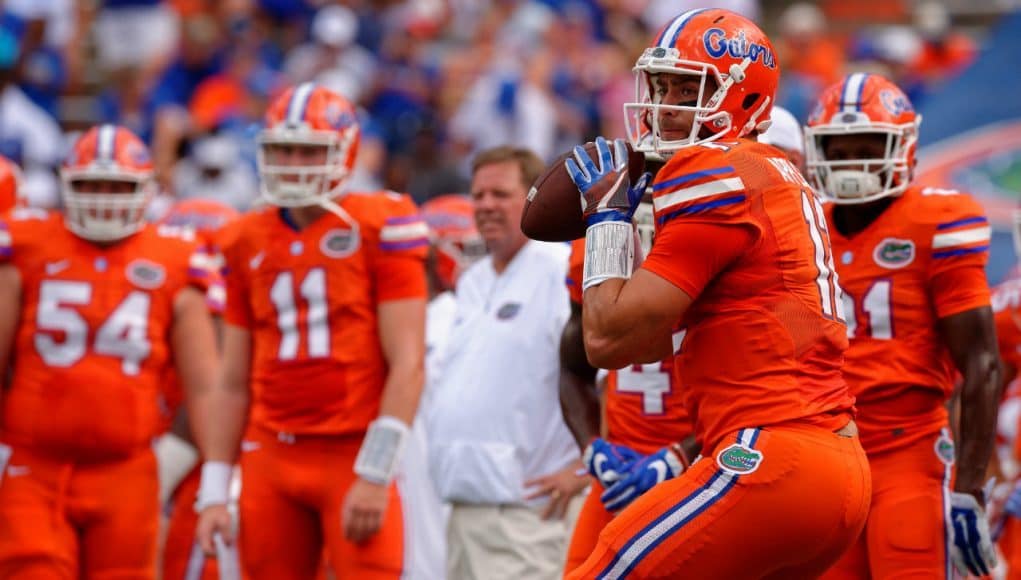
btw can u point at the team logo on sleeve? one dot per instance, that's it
(338, 243)
(893, 253)
(146, 274)
(739, 459)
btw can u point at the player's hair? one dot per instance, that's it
(530, 164)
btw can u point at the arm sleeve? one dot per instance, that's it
(205, 273)
(576, 270)
(690, 254)
(959, 289)
(401, 251)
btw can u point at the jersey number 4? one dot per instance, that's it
(123, 335)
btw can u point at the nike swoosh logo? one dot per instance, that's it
(256, 260)
(53, 268)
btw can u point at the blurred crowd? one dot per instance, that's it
(436, 80)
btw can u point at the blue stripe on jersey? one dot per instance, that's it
(701, 207)
(962, 222)
(961, 252)
(673, 30)
(691, 177)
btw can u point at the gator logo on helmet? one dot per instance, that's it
(739, 459)
(895, 102)
(717, 45)
(894, 253)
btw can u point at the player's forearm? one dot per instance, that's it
(403, 389)
(620, 329)
(980, 396)
(222, 415)
(10, 311)
(579, 404)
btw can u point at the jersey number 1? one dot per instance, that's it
(830, 293)
(313, 291)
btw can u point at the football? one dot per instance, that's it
(553, 208)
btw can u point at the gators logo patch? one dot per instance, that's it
(738, 459)
(339, 243)
(894, 253)
(145, 274)
(945, 449)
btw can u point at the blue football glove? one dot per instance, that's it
(608, 462)
(667, 463)
(1013, 505)
(606, 190)
(972, 547)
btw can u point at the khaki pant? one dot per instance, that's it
(497, 542)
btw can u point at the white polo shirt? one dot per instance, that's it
(495, 420)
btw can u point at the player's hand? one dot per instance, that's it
(214, 520)
(363, 511)
(606, 190)
(608, 462)
(667, 463)
(560, 487)
(972, 548)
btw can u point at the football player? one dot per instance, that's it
(644, 414)
(912, 263)
(323, 356)
(176, 453)
(742, 265)
(96, 307)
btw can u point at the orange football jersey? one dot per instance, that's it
(92, 346)
(310, 299)
(1006, 302)
(921, 260)
(645, 409)
(739, 230)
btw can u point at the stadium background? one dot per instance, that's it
(439, 79)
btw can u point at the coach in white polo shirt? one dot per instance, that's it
(499, 449)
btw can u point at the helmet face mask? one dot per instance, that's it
(107, 183)
(306, 152)
(860, 141)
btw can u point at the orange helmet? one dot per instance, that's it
(202, 215)
(10, 181)
(862, 104)
(452, 232)
(705, 43)
(310, 117)
(107, 154)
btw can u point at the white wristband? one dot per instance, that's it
(381, 450)
(609, 252)
(214, 486)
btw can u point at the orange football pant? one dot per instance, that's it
(292, 492)
(592, 518)
(906, 534)
(783, 502)
(182, 557)
(65, 520)
(1010, 546)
